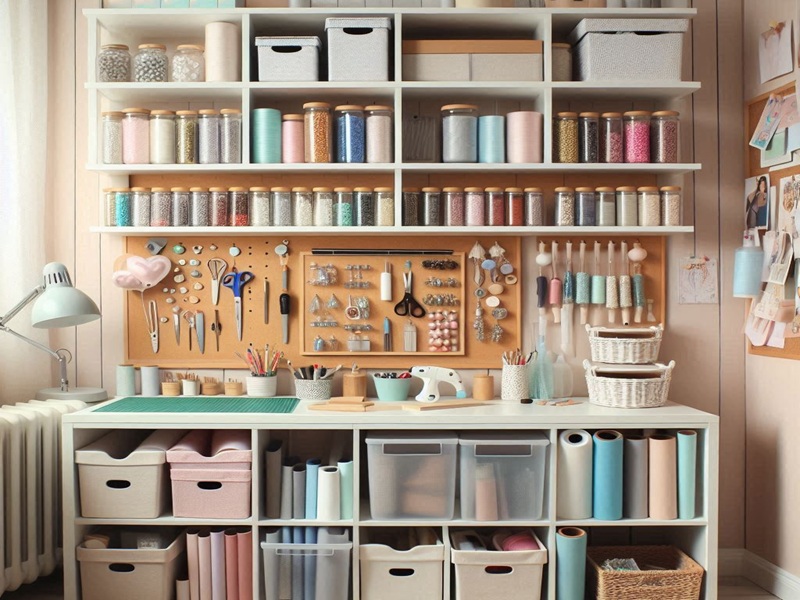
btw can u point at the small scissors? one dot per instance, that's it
(236, 281)
(408, 306)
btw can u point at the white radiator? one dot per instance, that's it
(30, 498)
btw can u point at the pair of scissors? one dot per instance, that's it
(217, 268)
(236, 281)
(408, 306)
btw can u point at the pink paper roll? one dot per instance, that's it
(193, 564)
(231, 565)
(204, 554)
(524, 137)
(292, 144)
(663, 487)
(245, 554)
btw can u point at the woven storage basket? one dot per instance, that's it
(625, 346)
(631, 387)
(678, 576)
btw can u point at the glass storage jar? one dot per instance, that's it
(384, 206)
(363, 207)
(565, 137)
(199, 207)
(649, 202)
(565, 207)
(611, 138)
(453, 199)
(317, 125)
(350, 133)
(162, 137)
(474, 207)
(495, 206)
(136, 136)
(140, 207)
(343, 206)
(150, 64)
(562, 62)
(260, 214)
(585, 207)
(589, 137)
(238, 207)
(431, 208)
(281, 206)
(218, 204)
(230, 136)
(113, 63)
(671, 206)
(459, 133)
(411, 206)
(515, 207)
(605, 207)
(627, 208)
(188, 64)
(186, 137)
(664, 136)
(160, 207)
(636, 126)
(112, 137)
(302, 207)
(323, 207)
(109, 207)
(292, 139)
(208, 142)
(379, 134)
(534, 207)
(180, 206)
(122, 207)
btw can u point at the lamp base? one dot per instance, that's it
(86, 394)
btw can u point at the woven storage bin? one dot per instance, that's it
(680, 578)
(628, 387)
(625, 346)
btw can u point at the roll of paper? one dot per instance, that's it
(570, 563)
(231, 565)
(193, 563)
(222, 52)
(312, 475)
(274, 460)
(663, 492)
(151, 381)
(491, 139)
(574, 489)
(181, 588)
(329, 494)
(524, 137)
(287, 483)
(298, 580)
(126, 380)
(687, 470)
(636, 466)
(310, 567)
(608, 469)
(218, 580)
(346, 489)
(299, 491)
(286, 566)
(204, 562)
(244, 550)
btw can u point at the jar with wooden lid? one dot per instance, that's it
(565, 138)
(515, 207)
(323, 206)
(113, 63)
(109, 207)
(302, 207)
(589, 137)
(318, 147)
(150, 64)
(459, 133)
(384, 206)
(188, 64)
(281, 198)
(162, 137)
(136, 136)
(605, 211)
(260, 213)
(140, 207)
(611, 138)
(585, 207)
(112, 137)
(363, 207)
(453, 199)
(218, 206)
(343, 206)
(565, 207)
(649, 200)
(238, 207)
(379, 133)
(230, 136)
(627, 207)
(671, 206)
(186, 137)
(494, 200)
(636, 128)
(122, 206)
(199, 210)
(180, 206)
(474, 207)
(160, 207)
(431, 209)
(664, 136)
(534, 207)
(208, 145)
(350, 133)
(411, 204)
(562, 61)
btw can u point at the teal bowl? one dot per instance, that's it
(392, 390)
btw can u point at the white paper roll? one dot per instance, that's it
(151, 381)
(574, 490)
(328, 494)
(222, 52)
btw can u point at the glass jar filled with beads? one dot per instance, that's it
(565, 207)
(160, 207)
(495, 203)
(664, 136)
(384, 206)
(208, 146)
(431, 208)
(109, 207)
(188, 64)
(363, 207)
(459, 133)
(238, 207)
(453, 206)
(611, 138)
(343, 206)
(162, 137)
(565, 137)
(218, 205)
(199, 214)
(112, 137)
(627, 207)
(649, 201)
(585, 207)
(589, 137)
(318, 147)
(636, 128)
(411, 202)
(474, 207)
(515, 207)
(150, 64)
(136, 136)
(113, 63)
(260, 214)
(230, 136)
(281, 206)
(350, 133)
(323, 207)
(534, 207)
(186, 137)
(122, 207)
(140, 207)
(671, 206)
(302, 207)
(605, 206)
(379, 134)
(180, 206)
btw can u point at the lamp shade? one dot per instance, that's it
(61, 305)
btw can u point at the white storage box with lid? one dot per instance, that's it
(288, 58)
(211, 474)
(512, 575)
(625, 346)
(412, 475)
(391, 574)
(358, 48)
(502, 475)
(628, 386)
(628, 49)
(130, 573)
(121, 476)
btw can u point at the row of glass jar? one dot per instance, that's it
(625, 206)
(362, 134)
(150, 64)
(238, 206)
(633, 137)
(185, 137)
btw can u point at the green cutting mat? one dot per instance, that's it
(200, 404)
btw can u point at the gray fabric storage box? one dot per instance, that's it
(288, 58)
(628, 49)
(358, 49)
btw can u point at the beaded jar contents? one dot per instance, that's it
(180, 206)
(627, 207)
(671, 205)
(384, 206)
(611, 138)
(534, 207)
(649, 203)
(136, 136)
(515, 207)
(218, 206)
(160, 207)
(162, 137)
(186, 137)
(230, 136)
(411, 202)
(343, 206)
(281, 206)
(363, 207)
(260, 214)
(636, 126)
(565, 137)
(199, 199)
(589, 137)
(474, 207)
(379, 134)
(317, 125)
(431, 207)
(605, 207)
(323, 207)
(459, 133)
(188, 64)
(208, 145)
(112, 138)
(495, 207)
(302, 207)
(109, 207)
(664, 136)
(151, 63)
(453, 198)
(350, 133)
(585, 207)
(239, 207)
(140, 207)
(122, 207)
(565, 207)
(292, 139)
(113, 63)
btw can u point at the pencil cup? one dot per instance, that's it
(264, 387)
(354, 384)
(211, 389)
(483, 387)
(126, 380)
(514, 386)
(171, 388)
(313, 390)
(233, 388)
(190, 387)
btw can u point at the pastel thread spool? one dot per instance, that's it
(491, 139)
(570, 563)
(292, 142)
(222, 52)
(598, 289)
(747, 264)
(582, 288)
(554, 292)
(126, 380)
(524, 137)
(483, 387)
(266, 135)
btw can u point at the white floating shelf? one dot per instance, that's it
(670, 168)
(246, 168)
(147, 93)
(643, 90)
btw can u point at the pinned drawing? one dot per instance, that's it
(757, 202)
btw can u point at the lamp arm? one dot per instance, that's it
(19, 306)
(62, 360)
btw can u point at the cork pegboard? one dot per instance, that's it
(258, 256)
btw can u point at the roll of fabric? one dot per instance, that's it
(299, 491)
(608, 469)
(492, 139)
(312, 476)
(126, 380)
(287, 486)
(346, 489)
(636, 467)
(222, 52)
(266, 135)
(663, 492)
(328, 494)
(151, 381)
(687, 471)
(570, 563)
(524, 137)
(574, 489)
(274, 461)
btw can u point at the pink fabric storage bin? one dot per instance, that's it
(207, 449)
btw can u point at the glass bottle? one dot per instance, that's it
(431, 208)
(565, 207)
(627, 207)
(459, 133)
(350, 133)
(453, 198)
(140, 207)
(664, 136)
(379, 134)
(565, 137)
(162, 137)
(534, 207)
(611, 138)
(302, 207)
(589, 137)
(515, 207)
(411, 203)
(218, 205)
(122, 207)
(180, 206)
(136, 136)
(317, 124)
(281, 206)
(636, 128)
(649, 202)
(109, 207)
(160, 207)
(208, 139)
(474, 207)
(671, 206)
(230, 136)
(186, 137)
(199, 199)
(113, 63)
(585, 207)
(343, 206)
(605, 206)
(188, 64)
(384, 206)
(495, 207)
(112, 138)
(239, 207)
(150, 64)
(363, 207)
(260, 214)
(323, 207)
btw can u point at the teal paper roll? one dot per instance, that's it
(312, 474)
(126, 380)
(687, 470)
(570, 563)
(266, 135)
(492, 139)
(346, 489)
(582, 288)
(598, 289)
(608, 467)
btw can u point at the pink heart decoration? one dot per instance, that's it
(149, 271)
(126, 281)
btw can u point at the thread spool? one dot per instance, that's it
(292, 144)
(266, 135)
(747, 262)
(483, 387)
(524, 137)
(222, 52)
(598, 289)
(582, 288)
(126, 380)
(568, 287)
(491, 139)
(554, 292)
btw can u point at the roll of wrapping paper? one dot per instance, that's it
(574, 481)
(329, 494)
(219, 582)
(346, 489)
(635, 478)
(491, 139)
(568, 299)
(608, 470)
(598, 280)
(625, 294)
(244, 547)
(193, 562)
(299, 491)
(274, 462)
(266, 135)
(612, 292)
(298, 578)
(687, 470)
(554, 291)
(570, 563)
(310, 567)
(204, 564)
(583, 286)
(221, 54)
(312, 479)
(663, 492)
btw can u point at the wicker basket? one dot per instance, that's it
(625, 346)
(678, 577)
(628, 387)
